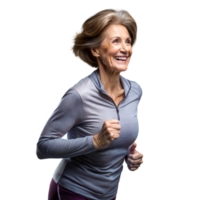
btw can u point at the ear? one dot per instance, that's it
(95, 52)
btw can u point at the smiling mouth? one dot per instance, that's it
(121, 61)
(119, 58)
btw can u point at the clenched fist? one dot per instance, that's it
(109, 132)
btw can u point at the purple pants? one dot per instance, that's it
(57, 192)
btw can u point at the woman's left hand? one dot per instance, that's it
(134, 158)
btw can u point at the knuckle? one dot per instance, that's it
(143, 162)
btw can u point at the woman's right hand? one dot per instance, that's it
(109, 132)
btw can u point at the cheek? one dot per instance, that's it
(112, 61)
(131, 52)
(112, 52)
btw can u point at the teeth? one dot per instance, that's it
(121, 58)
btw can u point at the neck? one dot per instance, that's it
(111, 82)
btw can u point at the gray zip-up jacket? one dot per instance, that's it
(81, 113)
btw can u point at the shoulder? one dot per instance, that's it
(74, 91)
(136, 87)
(72, 95)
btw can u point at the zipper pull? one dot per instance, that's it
(117, 110)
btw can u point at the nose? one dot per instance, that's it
(124, 47)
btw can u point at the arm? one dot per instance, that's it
(67, 114)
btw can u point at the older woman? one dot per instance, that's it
(99, 114)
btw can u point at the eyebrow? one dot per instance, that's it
(119, 37)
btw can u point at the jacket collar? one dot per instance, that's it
(95, 77)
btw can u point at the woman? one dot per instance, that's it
(99, 114)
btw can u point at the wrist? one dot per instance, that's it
(95, 141)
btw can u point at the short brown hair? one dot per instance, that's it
(92, 28)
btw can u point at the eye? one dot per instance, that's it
(116, 41)
(128, 41)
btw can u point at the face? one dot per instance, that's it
(115, 51)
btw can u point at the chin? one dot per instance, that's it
(122, 68)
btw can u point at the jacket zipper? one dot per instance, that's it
(116, 107)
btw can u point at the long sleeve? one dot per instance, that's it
(68, 113)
